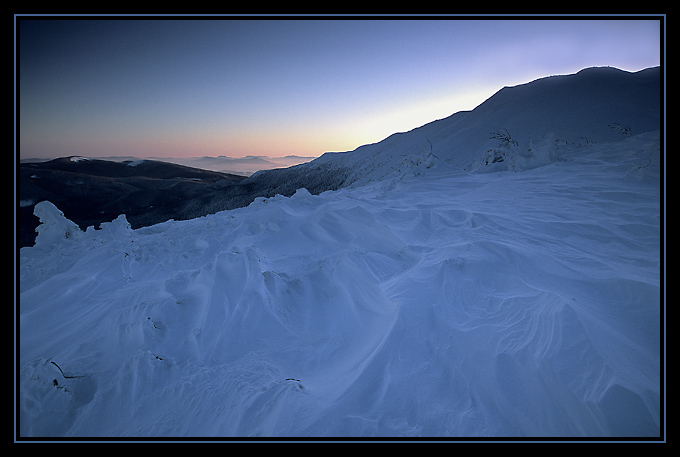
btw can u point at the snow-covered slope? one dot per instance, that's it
(434, 302)
(524, 126)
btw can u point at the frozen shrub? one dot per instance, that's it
(54, 227)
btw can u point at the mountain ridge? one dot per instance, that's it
(578, 108)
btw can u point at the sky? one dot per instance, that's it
(185, 87)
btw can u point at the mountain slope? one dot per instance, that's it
(530, 121)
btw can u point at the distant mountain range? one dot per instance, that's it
(240, 165)
(245, 166)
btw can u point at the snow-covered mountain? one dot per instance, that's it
(522, 126)
(493, 274)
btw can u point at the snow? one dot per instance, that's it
(54, 227)
(442, 300)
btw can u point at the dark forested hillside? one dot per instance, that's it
(91, 191)
(148, 192)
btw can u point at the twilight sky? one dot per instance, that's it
(236, 87)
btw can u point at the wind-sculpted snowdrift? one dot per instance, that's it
(453, 304)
